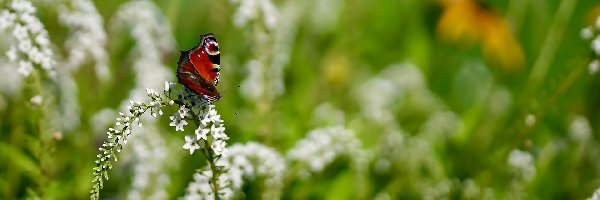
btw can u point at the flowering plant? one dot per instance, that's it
(209, 138)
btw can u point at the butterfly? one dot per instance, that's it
(199, 68)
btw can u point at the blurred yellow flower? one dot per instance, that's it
(469, 22)
(336, 69)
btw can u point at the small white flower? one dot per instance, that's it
(25, 46)
(204, 120)
(190, 144)
(212, 116)
(167, 86)
(580, 129)
(530, 120)
(177, 122)
(522, 163)
(218, 132)
(12, 54)
(35, 55)
(25, 68)
(36, 100)
(596, 45)
(587, 33)
(42, 40)
(183, 111)
(127, 131)
(20, 32)
(201, 133)
(218, 147)
(35, 26)
(7, 19)
(151, 92)
(594, 67)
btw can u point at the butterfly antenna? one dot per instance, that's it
(224, 92)
(229, 90)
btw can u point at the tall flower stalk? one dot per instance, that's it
(30, 54)
(87, 36)
(210, 138)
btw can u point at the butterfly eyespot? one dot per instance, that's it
(211, 46)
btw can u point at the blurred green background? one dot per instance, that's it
(460, 99)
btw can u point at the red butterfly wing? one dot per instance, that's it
(198, 69)
(206, 58)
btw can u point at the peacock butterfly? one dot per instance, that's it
(199, 68)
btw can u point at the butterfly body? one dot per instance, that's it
(199, 68)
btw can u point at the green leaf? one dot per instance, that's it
(14, 156)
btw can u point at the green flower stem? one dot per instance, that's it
(43, 154)
(211, 160)
(213, 168)
(548, 50)
(562, 88)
